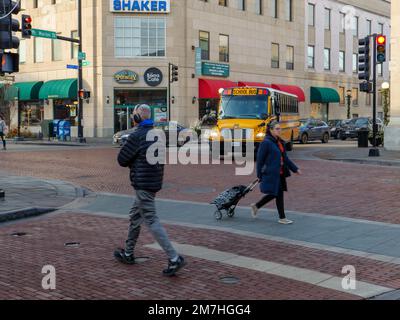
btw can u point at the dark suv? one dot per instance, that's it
(313, 129)
(355, 125)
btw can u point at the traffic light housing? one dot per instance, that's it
(9, 62)
(26, 26)
(364, 59)
(84, 94)
(380, 49)
(8, 25)
(174, 73)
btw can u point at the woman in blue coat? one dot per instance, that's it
(273, 167)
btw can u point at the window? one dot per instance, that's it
(223, 3)
(139, 37)
(380, 28)
(342, 61)
(74, 46)
(311, 57)
(258, 7)
(327, 19)
(242, 5)
(223, 48)
(38, 50)
(342, 91)
(342, 22)
(355, 26)
(379, 70)
(274, 8)
(354, 95)
(327, 59)
(56, 50)
(368, 99)
(311, 14)
(204, 41)
(275, 56)
(355, 62)
(369, 27)
(289, 10)
(22, 52)
(290, 58)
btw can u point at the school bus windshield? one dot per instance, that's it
(243, 107)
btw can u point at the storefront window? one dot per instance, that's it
(31, 114)
(65, 110)
(127, 99)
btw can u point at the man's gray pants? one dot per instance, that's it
(144, 210)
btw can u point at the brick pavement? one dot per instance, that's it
(343, 189)
(89, 272)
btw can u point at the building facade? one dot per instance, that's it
(303, 47)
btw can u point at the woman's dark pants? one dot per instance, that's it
(280, 204)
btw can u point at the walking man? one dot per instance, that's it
(3, 128)
(146, 180)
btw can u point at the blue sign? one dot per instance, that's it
(72, 66)
(140, 6)
(198, 66)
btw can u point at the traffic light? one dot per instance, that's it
(84, 94)
(8, 25)
(381, 49)
(9, 62)
(364, 60)
(26, 27)
(174, 73)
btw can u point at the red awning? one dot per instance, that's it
(253, 84)
(291, 89)
(209, 89)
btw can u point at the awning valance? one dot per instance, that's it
(59, 89)
(324, 95)
(291, 89)
(209, 89)
(253, 84)
(28, 90)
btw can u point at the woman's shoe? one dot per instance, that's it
(285, 221)
(254, 210)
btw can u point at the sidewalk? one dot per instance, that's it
(26, 196)
(72, 143)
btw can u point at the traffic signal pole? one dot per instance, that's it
(374, 152)
(81, 139)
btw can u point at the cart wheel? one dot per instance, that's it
(218, 215)
(231, 213)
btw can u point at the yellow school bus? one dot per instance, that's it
(244, 113)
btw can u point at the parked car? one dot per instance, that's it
(357, 124)
(121, 137)
(313, 129)
(334, 127)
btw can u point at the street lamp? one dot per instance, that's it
(349, 98)
(385, 85)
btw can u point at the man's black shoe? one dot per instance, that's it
(174, 267)
(123, 258)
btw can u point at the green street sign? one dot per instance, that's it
(85, 63)
(215, 69)
(81, 55)
(44, 34)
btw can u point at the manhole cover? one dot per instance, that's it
(72, 244)
(141, 259)
(229, 280)
(19, 234)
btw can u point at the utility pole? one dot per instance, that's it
(374, 152)
(81, 139)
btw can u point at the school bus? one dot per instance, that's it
(244, 113)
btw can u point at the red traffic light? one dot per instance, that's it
(381, 40)
(28, 20)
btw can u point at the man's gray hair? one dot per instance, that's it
(144, 111)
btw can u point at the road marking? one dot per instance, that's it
(324, 280)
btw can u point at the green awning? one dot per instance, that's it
(29, 90)
(59, 89)
(324, 95)
(11, 93)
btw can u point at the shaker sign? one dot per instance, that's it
(126, 76)
(153, 77)
(140, 6)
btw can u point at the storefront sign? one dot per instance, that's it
(153, 77)
(215, 69)
(140, 6)
(126, 76)
(198, 65)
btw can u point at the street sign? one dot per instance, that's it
(198, 63)
(81, 55)
(72, 66)
(44, 34)
(85, 63)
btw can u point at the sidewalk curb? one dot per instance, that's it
(385, 163)
(24, 213)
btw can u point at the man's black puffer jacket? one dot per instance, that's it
(144, 176)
